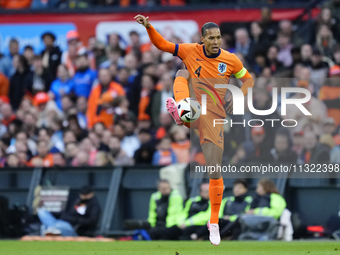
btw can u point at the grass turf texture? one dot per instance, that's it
(167, 248)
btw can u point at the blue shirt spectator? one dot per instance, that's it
(84, 77)
(61, 86)
(5, 65)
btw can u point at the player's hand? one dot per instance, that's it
(182, 226)
(142, 20)
(229, 105)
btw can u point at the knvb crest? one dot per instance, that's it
(222, 68)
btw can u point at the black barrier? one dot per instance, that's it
(124, 193)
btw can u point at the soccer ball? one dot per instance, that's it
(189, 109)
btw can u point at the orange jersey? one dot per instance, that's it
(206, 71)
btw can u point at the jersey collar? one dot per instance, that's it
(212, 56)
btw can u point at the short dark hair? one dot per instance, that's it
(241, 181)
(162, 181)
(208, 25)
(28, 47)
(85, 190)
(13, 40)
(133, 33)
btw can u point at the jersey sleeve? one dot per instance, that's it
(183, 50)
(238, 69)
(160, 42)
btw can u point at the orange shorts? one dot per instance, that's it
(207, 132)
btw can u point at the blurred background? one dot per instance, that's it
(82, 107)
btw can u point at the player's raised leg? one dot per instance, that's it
(213, 157)
(181, 91)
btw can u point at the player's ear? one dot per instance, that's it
(202, 38)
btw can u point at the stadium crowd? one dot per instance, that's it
(103, 105)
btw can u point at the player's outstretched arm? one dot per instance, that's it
(155, 37)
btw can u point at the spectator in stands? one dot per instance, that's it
(242, 41)
(258, 148)
(196, 213)
(285, 47)
(40, 79)
(103, 159)
(81, 159)
(148, 85)
(318, 70)
(165, 208)
(119, 155)
(75, 48)
(166, 124)
(325, 40)
(84, 77)
(44, 158)
(306, 54)
(81, 219)
(16, 88)
(231, 208)
(316, 107)
(5, 65)
(180, 144)
(282, 153)
(105, 85)
(130, 142)
(45, 106)
(13, 48)
(63, 85)
(12, 160)
(131, 63)
(51, 55)
(29, 55)
(114, 58)
(313, 152)
(71, 151)
(114, 42)
(99, 53)
(136, 44)
(164, 154)
(329, 126)
(21, 136)
(96, 142)
(334, 153)
(272, 59)
(44, 134)
(59, 160)
(145, 153)
(330, 94)
(87, 147)
(259, 40)
(268, 201)
(74, 126)
(286, 26)
(158, 103)
(298, 142)
(7, 115)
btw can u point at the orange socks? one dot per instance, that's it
(181, 88)
(215, 195)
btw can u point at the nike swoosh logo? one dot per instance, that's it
(179, 91)
(199, 59)
(219, 194)
(219, 142)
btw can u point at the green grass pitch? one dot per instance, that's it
(167, 248)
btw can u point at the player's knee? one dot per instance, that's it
(183, 73)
